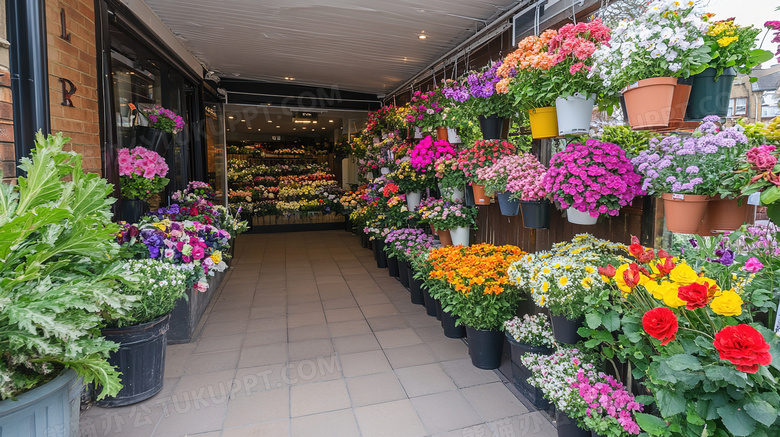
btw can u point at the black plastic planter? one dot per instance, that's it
(493, 127)
(416, 291)
(133, 210)
(140, 358)
(536, 215)
(509, 207)
(438, 309)
(152, 138)
(565, 330)
(485, 347)
(430, 303)
(567, 427)
(393, 268)
(379, 254)
(709, 97)
(450, 327)
(404, 272)
(520, 373)
(470, 196)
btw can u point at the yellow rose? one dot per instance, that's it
(728, 303)
(669, 292)
(655, 289)
(683, 274)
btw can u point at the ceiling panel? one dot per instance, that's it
(361, 45)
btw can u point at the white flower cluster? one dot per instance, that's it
(554, 374)
(531, 329)
(156, 276)
(665, 41)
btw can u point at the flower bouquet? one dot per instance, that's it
(592, 179)
(141, 173)
(696, 342)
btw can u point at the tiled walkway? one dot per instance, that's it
(308, 338)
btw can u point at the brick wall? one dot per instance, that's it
(7, 152)
(76, 61)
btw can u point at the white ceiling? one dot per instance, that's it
(359, 45)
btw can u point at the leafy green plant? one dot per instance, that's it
(632, 141)
(57, 278)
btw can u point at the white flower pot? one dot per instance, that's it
(418, 133)
(452, 193)
(460, 236)
(377, 140)
(574, 114)
(384, 170)
(580, 218)
(369, 175)
(413, 199)
(453, 136)
(384, 136)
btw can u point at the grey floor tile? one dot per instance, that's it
(390, 419)
(464, 374)
(340, 423)
(375, 389)
(397, 338)
(319, 397)
(409, 356)
(445, 411)
(356, 343)
(494, 401)
(258, 407)
(364, 363)
(424, 380)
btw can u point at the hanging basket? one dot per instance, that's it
(480, 198)
(574, 114)
(684, 212)
(452, 193)
(384, 170)
(724, 214)
(544, 122)
(509, 207)
(580, 218)
(441, 133)
(453, 137)
(156, 140)
(649, 102)
(536, 214)
(709, 97)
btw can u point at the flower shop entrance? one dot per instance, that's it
(306, 335)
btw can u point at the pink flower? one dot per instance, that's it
(753, 265)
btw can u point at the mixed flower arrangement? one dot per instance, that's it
(449, 175)
(593, 177)
(159, 287)
(409, 179)
(408, 243)
(141, 173)
(428, 151)
(477, 91)
(484, 153)
(425, 109)
(733, 46)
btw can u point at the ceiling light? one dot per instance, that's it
(295, 128)
(270, 121)
(289, 78)
(315, 121)
(422, 37)
(243, 120)
(303, 121)
(231, 117)
(277, 126)
(330, 121)
(323, 128)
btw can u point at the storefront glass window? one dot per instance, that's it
(215, 150)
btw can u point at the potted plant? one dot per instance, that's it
(531, 334)
(513, 178)
(411, 182)
(58, 279)
(404, 244)
(142, 333)
(733, 50)
(479, 294)
(646, 56)
(477, 91)
(157, 135)
(484, 153)
(425, 113)
(689, 325)
(452, 180)
(562, 280)
(449, 218)
(687, 171)
(141, 175)
(591, 179)
(585, 400)
(550, 76)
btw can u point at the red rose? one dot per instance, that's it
(695, 295)
(743, 346)
(661, 324)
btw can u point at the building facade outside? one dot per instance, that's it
(756, 101)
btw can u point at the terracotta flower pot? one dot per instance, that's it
(684, 212)
(480, 198)
(444, 237)
(441, 133)
(649, 102)
(724, 215)
(682, 93)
